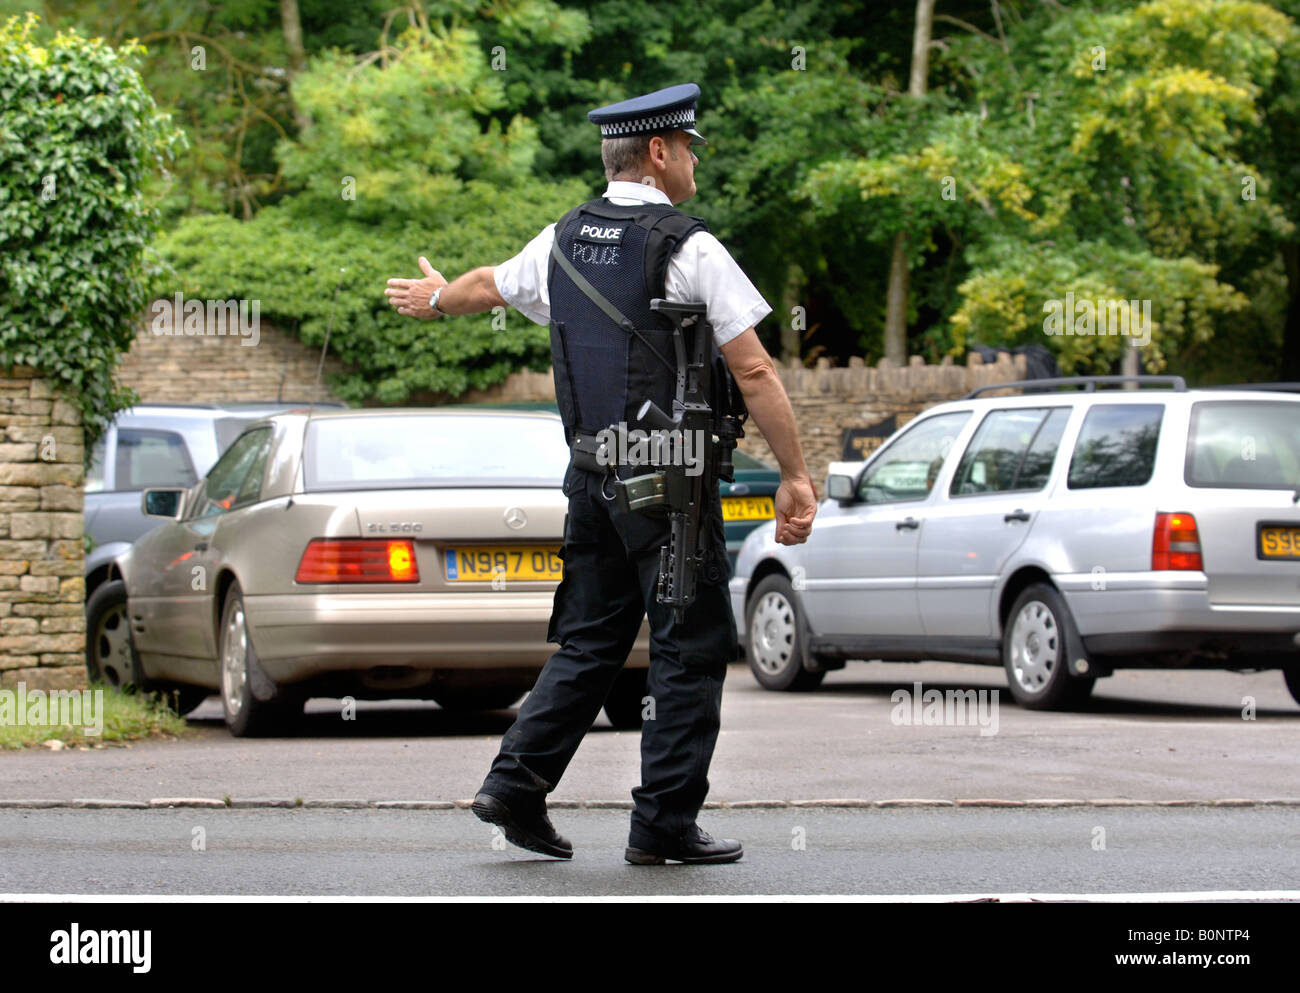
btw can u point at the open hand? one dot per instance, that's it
(411, 296)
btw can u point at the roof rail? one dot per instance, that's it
(1088, 384)
(1265, 387)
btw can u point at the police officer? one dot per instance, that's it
(628, 246)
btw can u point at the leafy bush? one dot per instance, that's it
(80, 138)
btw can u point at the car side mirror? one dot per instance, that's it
(164, 503)
(839, 487)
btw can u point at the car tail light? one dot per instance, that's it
(335, 560)
(1176, 544)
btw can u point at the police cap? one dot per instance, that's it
(662, 110)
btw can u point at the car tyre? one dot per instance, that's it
(626, 699)
(110, 650)
(1035, 651)
(246, 715)
(111, 657)
(777, 640)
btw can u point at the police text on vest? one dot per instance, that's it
(595, 254)
(594, 232)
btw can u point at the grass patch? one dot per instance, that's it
(126, 717)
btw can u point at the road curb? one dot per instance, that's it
(350, 803)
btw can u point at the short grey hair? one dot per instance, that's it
(625, 155)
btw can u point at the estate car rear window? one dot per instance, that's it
(1116, 446)
(368, 452)
(1246, 444)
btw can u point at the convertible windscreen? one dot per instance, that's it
(438, 450)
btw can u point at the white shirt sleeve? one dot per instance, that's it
(521, 281)
(703, 270)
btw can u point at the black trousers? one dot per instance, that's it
(611, 568)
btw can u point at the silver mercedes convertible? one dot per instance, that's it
(365, 553)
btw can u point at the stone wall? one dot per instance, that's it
(178, 368)
(42, 626)
(172, 367)
(826, 400)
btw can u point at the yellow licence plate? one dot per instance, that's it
(1279, 543)
(747, 509)
(484, 563)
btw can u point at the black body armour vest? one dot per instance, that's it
(603, 373)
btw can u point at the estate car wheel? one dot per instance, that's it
(777, 634)
(626, 699)
(1035, 652)
(246, 715)
(110, 650)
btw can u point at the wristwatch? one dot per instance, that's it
(433, 302)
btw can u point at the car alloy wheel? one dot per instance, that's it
(1037, 639)
(772, 633)
(247, 714)
(113, 648)
(110, 650)
(777, 636)
(234, 662)
(1035, 646)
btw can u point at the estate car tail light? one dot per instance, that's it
(345, 560)
(1175, 544)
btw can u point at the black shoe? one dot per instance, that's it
(697, 848)
(535, 832)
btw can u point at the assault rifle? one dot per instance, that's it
(713, 434)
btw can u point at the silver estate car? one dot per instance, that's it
(371, 553)
(1059, 534)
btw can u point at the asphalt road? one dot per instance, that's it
(1147, 736)
(969, 852)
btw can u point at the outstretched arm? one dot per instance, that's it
(472, 293)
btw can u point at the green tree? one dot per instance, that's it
(1105, 159)
(397, 162)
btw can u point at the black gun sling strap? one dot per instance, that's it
(599, 299)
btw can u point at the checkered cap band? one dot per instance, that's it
(658, 122)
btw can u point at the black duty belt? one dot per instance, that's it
(588, 452)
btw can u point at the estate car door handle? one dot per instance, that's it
(1016, 515)
(907, 524)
